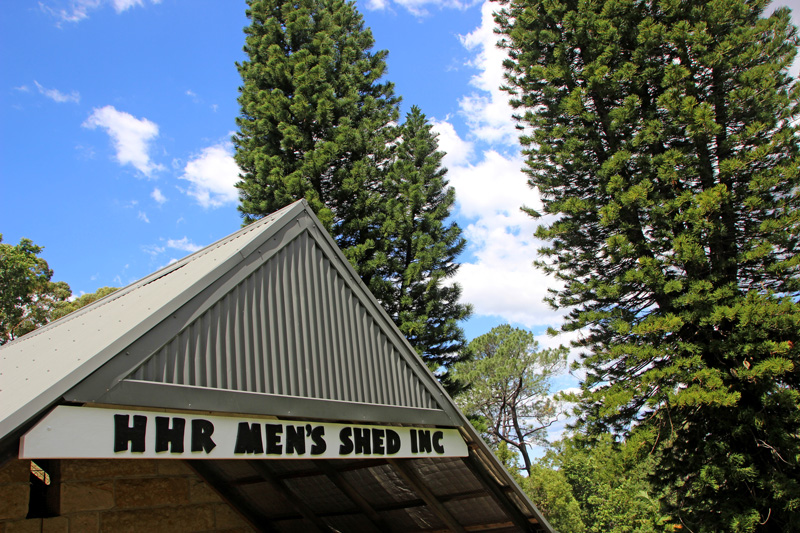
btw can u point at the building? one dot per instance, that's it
(255, 385)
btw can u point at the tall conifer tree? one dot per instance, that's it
(316, 121)
(663, 136)
(419, 247)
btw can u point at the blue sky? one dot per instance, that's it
(116, 121)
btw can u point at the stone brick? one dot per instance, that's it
(201, 492)
(34, 525)
(167, 519)
(172, 467)
(84, 523)
(83, 469)
(16, 471)
(14, 501)
(87, 496)
(151, 492)
(227, 518)
(56, 524)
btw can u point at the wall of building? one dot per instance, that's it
(99, 495)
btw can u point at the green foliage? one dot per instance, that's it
(552, 493)
(315, 122)
(418, 248)
(605, 480)
(507, 381)
(27, 296)
(662, 137)
(68, 306)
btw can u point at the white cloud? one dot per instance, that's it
(420, 7)
(143, 217)
(78, 10)
(500, 280)
(485, 168)
(183, 244)
(158, 196)
(131, 137)
(488, 113)
(213, 175)
(458, 150)
(58, 96)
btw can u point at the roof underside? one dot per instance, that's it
(369, 495)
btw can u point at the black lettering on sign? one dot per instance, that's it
(392, 442)
(413, 440)
(169, 438)
(361, 438)
(437, 441)
(296, 439)
(424, 437)
(248, 439)
(347, 444)
(318, 438)
(274, 446)
(377, 441)
(123, 433)
(201, 435)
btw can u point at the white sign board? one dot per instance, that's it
(93, 433)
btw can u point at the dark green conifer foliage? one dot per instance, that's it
(419, 247)
(663, 133)
(315, 120)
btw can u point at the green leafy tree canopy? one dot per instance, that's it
(507, 387)
(27, 296)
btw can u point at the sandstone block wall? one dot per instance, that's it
(99, 495)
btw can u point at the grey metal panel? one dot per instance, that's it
(293, 327)
(168, 396)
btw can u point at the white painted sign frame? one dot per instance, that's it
(102, 433)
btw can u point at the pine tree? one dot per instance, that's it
(419, 248)
(662, 136)
(316, 122)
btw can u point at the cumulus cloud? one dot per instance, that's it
(420, 7)
(57, 96)
(158, 196)
(143, 217)
(487, 111)
(485, 168)
(213, 175)
(500, 279)
(131, 137)
(78, 10)
(183, 244)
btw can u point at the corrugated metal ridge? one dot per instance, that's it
(294, 327)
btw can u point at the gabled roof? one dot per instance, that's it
(270, 321)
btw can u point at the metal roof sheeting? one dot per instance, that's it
(293, 327)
